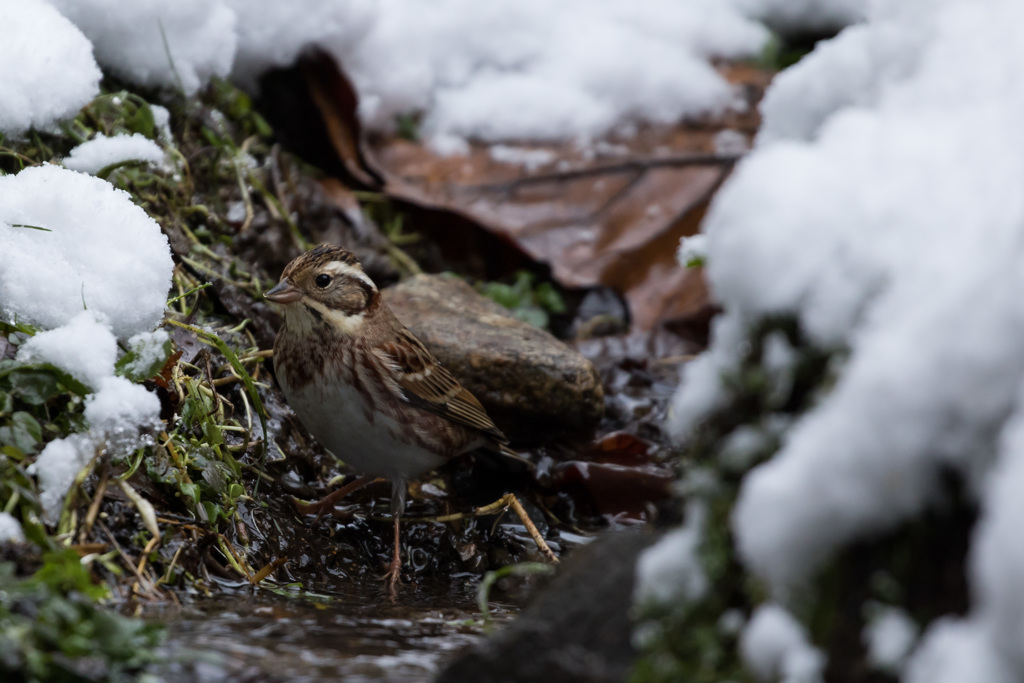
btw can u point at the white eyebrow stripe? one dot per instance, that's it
(342, 268)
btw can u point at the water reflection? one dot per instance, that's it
(354, 636)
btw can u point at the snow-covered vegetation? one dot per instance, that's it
(878, 226)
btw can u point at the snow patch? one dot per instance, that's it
(84, 347)
(693, 250)
(10, 529)
(49, 72)
(881, 208)
(155, 43)
(889, 636)
(997, 556)
(102, 151)
(447, 145)
(500, 70)
(96, 250)
(671, 569)
(148, 348)
(955, 651)
(55, 470)
(120, 408)
(528, 69)
(272, 34)
(774, 646)
(529, 159)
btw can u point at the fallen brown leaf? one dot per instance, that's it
(606, 214)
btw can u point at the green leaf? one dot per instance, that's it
(528, 303)
(64, 572)
(190, 490)
(35, 387)
(141, 120)
(497, 292)
(23, 432)
(37, 383)
(213, 512)
(211, 433)
(144, 360)
(549, 298)
(6, 403)
(215, 475)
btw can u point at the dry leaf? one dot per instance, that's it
(608, 214)
(144, 507)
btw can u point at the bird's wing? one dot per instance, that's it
(428, 385)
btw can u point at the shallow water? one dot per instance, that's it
(356, 636)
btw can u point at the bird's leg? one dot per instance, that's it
(505, 502)
(534, 532)
(398, 491)
(326, 504)
(395, 570)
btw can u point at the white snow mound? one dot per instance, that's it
(95, 250)
(882, 207)
(48, 69)
(157, 43)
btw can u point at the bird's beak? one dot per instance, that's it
(283, 292)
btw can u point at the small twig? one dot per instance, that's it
(94, 509)
(174, 560)
(153, 542)
(623, 166)
(267, 570)
(237, 563)
(176, 457)
(126, 558)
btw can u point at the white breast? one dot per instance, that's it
(335, 416)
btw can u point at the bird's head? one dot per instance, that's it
(327, 285)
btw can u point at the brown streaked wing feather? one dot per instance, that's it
(428, 385)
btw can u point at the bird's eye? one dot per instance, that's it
(322, 280)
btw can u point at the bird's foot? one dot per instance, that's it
(509, 501)
(394, 573)
(393, 578)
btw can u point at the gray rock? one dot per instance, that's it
(532, 385)
(577, 630)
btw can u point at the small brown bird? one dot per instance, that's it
(364, 385)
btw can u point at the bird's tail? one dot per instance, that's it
(509, 453)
